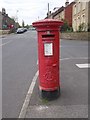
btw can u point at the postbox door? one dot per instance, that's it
(49, 64)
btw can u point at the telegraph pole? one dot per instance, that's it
(48, 7)
(48, 11)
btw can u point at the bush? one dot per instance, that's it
(66, 27)
(82, 27)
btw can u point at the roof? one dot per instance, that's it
(58, 11)
(70, 4)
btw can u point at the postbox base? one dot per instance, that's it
(50, 95)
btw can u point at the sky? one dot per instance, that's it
(30, 10)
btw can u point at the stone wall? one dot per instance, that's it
(3, 32)
(76, 36)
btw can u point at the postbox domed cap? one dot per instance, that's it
(47, 22)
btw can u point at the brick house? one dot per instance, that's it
(64, 13)
(68, 13)
(7, 22)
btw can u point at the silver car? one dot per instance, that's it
(20, 30)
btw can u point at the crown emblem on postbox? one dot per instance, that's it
(48, 32)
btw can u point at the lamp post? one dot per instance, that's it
(48, 11)
(17, 15)
(16, 19)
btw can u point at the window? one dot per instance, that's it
(78, 7)
(83, 18)
(78, 22)
(74, 9)
(83, 5)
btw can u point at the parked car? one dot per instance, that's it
(32, 28)
(20, 30)
(25, 29)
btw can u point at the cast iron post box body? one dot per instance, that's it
(48, 54)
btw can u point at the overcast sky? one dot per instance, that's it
(30, 10)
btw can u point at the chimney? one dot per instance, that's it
(66, 3)
(3, 11)
(48, 14)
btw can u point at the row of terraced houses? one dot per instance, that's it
(7, 23)
(76, 13)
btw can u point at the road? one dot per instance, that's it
(19, 56)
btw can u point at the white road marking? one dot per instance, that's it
(76, 58)
(65, 58)
(28, 97)
(86, 65)
(5, 43)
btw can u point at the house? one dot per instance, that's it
(0, 20)
(63, 13)
(81, 15)
(89, 16)
(7, 22)
(68, 12)
(59, 14)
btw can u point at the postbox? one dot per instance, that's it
(48, 31)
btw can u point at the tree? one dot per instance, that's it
(66, 26)
(27, 26)
(14, 18)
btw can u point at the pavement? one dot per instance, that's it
(5, 35)
(2, 36)
(73, 101)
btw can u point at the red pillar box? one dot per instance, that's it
(48, 54)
